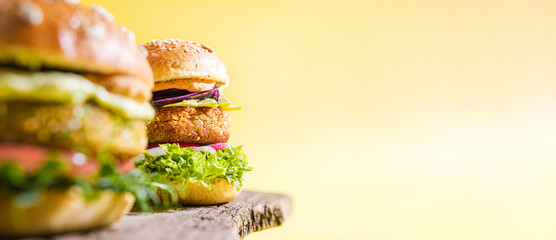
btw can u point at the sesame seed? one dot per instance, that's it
(207, 48)
(129, 35)
(107, 16)
(30, 13)
(144, 50)
(74, 22)
(95, 31)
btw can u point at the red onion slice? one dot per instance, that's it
(169, 96)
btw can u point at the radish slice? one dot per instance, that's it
(204, 149)
(186, 145)
(155, 150)
(215, 146)
(218, 146)
(182, 145)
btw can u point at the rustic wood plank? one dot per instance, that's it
(251, 211)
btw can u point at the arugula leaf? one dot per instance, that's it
(185, 165)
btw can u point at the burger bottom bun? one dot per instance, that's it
(194, 193)
(62, 211)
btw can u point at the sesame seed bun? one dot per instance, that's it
(69, 37)
(59, 211)
(185, 65)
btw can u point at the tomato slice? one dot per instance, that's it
(80, 165)
(27, 156)
(32, 157)
(125, 166)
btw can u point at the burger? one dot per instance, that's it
(74, 102)
(188, 137)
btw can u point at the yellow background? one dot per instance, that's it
(386, 119)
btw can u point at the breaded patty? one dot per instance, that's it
(200, 125)
(87, 128)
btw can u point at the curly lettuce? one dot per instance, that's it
(187, 165)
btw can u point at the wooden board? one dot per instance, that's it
(249, 212)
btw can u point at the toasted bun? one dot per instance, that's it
(123, 85)
(62, 211)
(185, 65)
(194, 193)
(60, 35)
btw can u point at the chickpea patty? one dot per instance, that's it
(86, 128)
(200, 125)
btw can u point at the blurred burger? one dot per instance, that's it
(188, 137)
(74, 92)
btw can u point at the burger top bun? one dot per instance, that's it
(185, 65)
(60, 34)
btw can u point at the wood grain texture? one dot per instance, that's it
(249, 212)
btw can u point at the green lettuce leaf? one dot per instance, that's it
(185, 165)
(223, 103)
